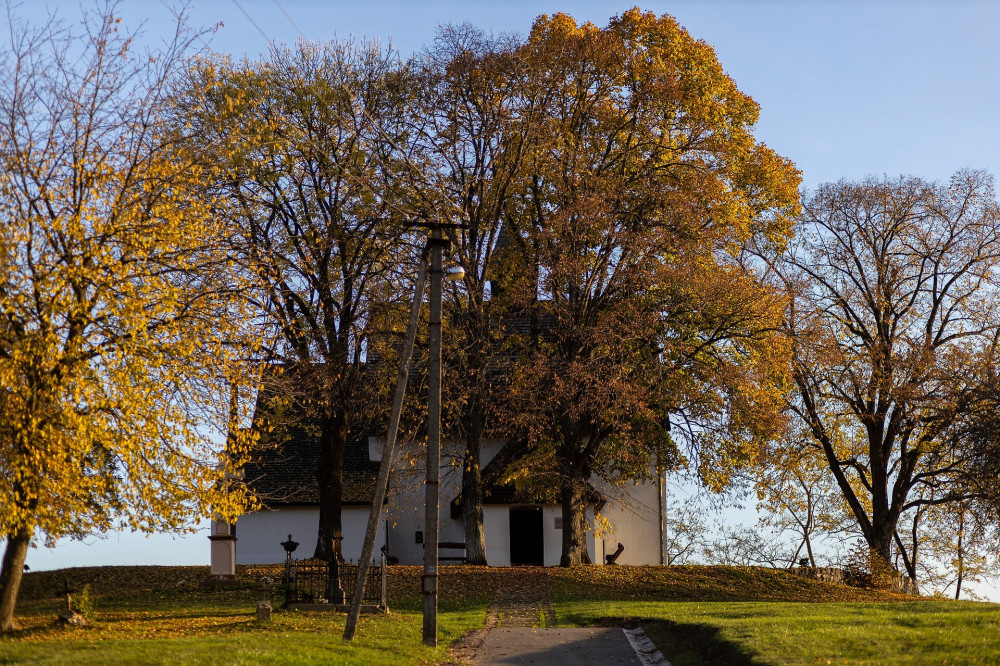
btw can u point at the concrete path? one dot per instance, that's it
(557, 647)
(514, 635)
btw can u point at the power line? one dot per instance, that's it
(263, 34)
(297, 28)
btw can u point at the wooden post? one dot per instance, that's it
(430, 583)
(388, 453)
(659, 503)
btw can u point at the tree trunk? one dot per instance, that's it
(574, 543)
(472, 503)
(11, 572)
(333, 439)
(880, 542)
(884, 573)
(795, 556)
(961, 555)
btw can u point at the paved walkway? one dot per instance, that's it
(524, 601)
(557, 647)
(520, 629)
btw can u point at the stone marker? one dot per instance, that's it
(73, 619)
(264, 611)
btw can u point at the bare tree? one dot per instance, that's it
(745, 546)
(894, 323)
(685, 528)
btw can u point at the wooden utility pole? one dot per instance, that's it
(432, 487)
(435, 247)
(388, 452)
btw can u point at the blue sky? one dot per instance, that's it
(846, 89)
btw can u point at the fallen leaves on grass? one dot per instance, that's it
(166, 602)
(703, 583)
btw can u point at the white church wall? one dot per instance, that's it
(631, 512)
(405, 512)
(406, 502)
(552, 535)
(260, 534)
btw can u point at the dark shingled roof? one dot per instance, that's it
(283, 470)
(285, 473)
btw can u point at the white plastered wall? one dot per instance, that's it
(260, 534)
(405, 509)
(632, 513)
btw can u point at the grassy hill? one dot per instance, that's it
(695, 614)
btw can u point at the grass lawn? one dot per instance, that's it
(730, 627)
(164, 615)
(696, 615)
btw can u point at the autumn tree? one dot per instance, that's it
(472, 137)
(643, 184)
(119, 336)
(302, 147)
(977, 436)
(895, 323)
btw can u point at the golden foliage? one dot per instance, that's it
(643, 186)
(120, 330)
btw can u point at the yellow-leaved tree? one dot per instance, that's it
(120, 339)
(303, 149)
(643, 186)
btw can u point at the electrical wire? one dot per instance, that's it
(249, 18)
(287, 16)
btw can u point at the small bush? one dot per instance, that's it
(83, 604)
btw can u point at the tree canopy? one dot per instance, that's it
(120, 333)
(895, 326)
(301, 151)
(642, 186)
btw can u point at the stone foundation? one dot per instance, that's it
(825, 574)
(897, 582)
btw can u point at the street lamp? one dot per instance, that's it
(434, 248)
(429, 586)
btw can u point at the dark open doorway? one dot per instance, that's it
(526, 545)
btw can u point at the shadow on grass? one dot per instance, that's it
(22, 632)
(688, 644)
